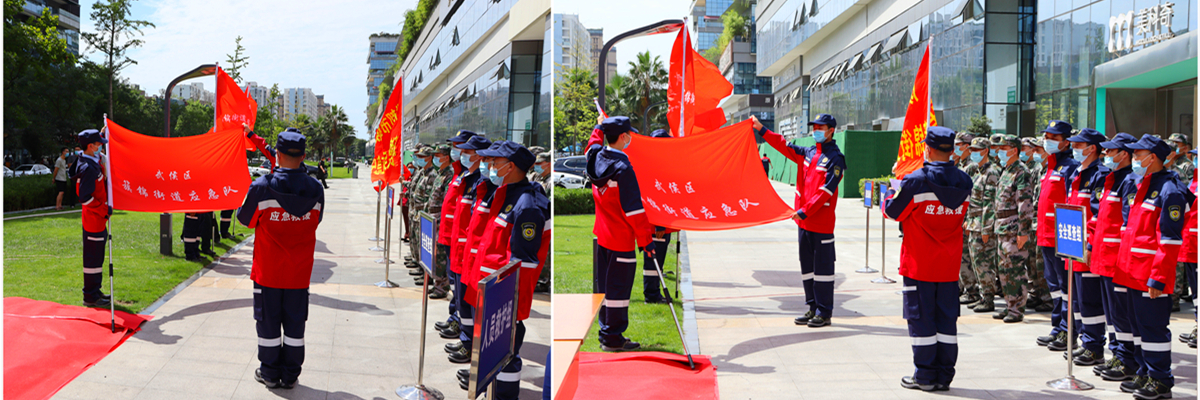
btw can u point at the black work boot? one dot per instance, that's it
(453, 346)
(1107, 365)
(1137, 383)
(1154, 389)
(462, 356)
(1089, 358)
(1119, 372)
(803, 319)
(818, 321)
(908, 383)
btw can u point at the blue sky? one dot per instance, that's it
(616, 17)
(299, 43)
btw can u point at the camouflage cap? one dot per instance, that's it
(997, 139)
(537, 150)
(542, 157)
(979, 143)
(1179, 137)
(443, 149)
(963, 137)
(1035, 141)
(1011, 140)
(423, 151)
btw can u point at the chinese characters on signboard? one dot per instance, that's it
(1151, 24)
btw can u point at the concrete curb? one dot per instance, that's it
(691, 331)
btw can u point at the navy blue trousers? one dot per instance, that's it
(1150, 318)
(931, 309)
(1116, 313)
(93, 264)
(508, 381)
(226, 221)
(1056, 279)
(1190, 270)
(614, 278)
(456, 295)
(466, 315)
(651, 282)
(280, 316)
(1089, 310)
(816, 269)
(191, 235)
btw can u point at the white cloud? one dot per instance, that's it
(315, 44)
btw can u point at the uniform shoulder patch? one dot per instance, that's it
(1153, 195)
(1174, 212)
(507, 209)
(528, 230)
(837, 171)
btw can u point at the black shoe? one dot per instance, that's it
(1119, 372)
(1185, 337)
(288, 385)
(464, 382)
(227, 236)
(986, 304)
(940, 387)
(803, 319)
(463, 374)
(441, 325)
(1192, 343)
(194, 258)
(968, 298)
(818, 321)
(417, 272)
(659, 300)
(1088, 358)
(908, 383)
(1000, 314)
(1174, 308)
(1060, 343)
(209, 253)
(1154, 389)
(462, 356)
(453, 346)
(1099, 369)
(1013, 318)
(98, 302)
(627, 345)
(404, 239)
(1045, 340)
(449, 333)
(1044, 307)
(437, 293)
(269, 384)
(1135, 384)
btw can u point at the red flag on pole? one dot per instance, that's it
(917, 119)
(233, 107)
(386, 165)
(187, 174)
(731, 192)
(697, 85)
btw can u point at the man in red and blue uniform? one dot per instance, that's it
(621, 226)
(1187, 255)
(1085, 187)
(521, 233)
(652, 290)
(1059, 166)
(818, 173)
(484, 195)
(1104, 244)
(90, 185)
(931, 204)
(1150, 247)
(464, 179)
(284, 209)
(463, 212)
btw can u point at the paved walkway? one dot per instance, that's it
(748, 289)
(361, 341)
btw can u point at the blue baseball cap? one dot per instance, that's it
(1153, 143)
(660, 133)
(1087, 135)
(824, 119)
(1120, 141)
(617, 125)
(475, 143)
(291, 142)
(1057, 127)
(89, 136)
(940, 138)
(513, 151)
(462, 137)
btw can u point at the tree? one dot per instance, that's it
(981, 126)
(115, 35)
(339, 122)
(196, 119)
(647, 76)
(574, 112)
(237, 61)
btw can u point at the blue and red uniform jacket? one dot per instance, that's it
(1153, 233)
(1059, 168)
(462, 219)
(92, 191)
(454, 193)
(1188, 253)
(487, 194)
(1087, 189)
(931, 203)
(1104, 242)
(284, 209)
(621, 223)
(818, 174)
(520, 232)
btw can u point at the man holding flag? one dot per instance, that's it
(92, 189)
(818, 174)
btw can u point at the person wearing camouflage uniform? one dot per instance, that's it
(1039, 292)
(416, 204)
(1183, 166)
(968, 283)
(983, 251)
(1011, 213)
(437, 183)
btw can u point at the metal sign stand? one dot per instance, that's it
(419, 391)
(378, 204)
(675, 317)
(868, 200)
(883, 243)
(473, 390)
(1069, 382)
(387, 246)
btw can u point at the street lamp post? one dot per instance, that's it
(164, 220)
(664, 26)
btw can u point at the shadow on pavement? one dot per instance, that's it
(725, 362)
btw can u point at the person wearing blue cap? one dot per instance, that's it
(455, 153)
(1085, 187)
(818, 173)
(93, 195)
(621, 227)
(1187, 256)
(1059, 165)
(931, 202)
(462, 193)
(1104, 244)
(284, 209)
(1150, 244)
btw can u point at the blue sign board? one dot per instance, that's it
(868, 194)
(495, 319)
(390, 201)
(1070, 233)
(428, 241)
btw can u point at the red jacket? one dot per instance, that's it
(480, 219)
(1154, 232)
(1105, 238)
(454, 193)
(285, 227)
(462, 218)
(525, 212)
(1188, 253)
(1054, 191)
(931, 204)
(1087, 185)
(93, 193)
(818, 174)
(621, 223)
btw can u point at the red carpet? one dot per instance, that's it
(645, 375)
(46, 345)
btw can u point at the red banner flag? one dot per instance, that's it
(185, 174)
(698, 85)
(386, 165)
(728, 191)
(234, 107)
(917, 119)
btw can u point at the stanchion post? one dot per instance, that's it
(387, 248)
(868, 201)
(419, 391)
(378, 204)
(883, 188)
(1070, 243)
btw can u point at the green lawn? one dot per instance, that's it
(43, 259)
(649, 324)
(340, 172)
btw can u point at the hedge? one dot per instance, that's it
(29, 192)
(573, 201)
(875, 186)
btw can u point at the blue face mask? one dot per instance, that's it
(1024, 157)
(465, 159)
(1197, 162)
(1110, 163)
(1078, 155)
(1003, 155)
(538, 169)
(483, 166)
(437, 162)
(419, 162)
(455, 154)
(1138, 169)
(494, 177)
(819, 136)
(976, 157)
(992, 152)
(958, 152)
(1037, 157)
(1051, 146)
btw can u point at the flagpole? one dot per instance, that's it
(112, 308)
(683, 44)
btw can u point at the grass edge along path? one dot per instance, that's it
(43, 259)
(649, 324)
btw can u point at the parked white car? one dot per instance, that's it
(256, 172)
(31, 169)
(8, 173)
(569, 181)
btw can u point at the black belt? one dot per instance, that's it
(1005, 214)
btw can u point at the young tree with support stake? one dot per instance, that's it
(114, 37)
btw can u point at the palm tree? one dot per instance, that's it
(338, 120)
(649, 76)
